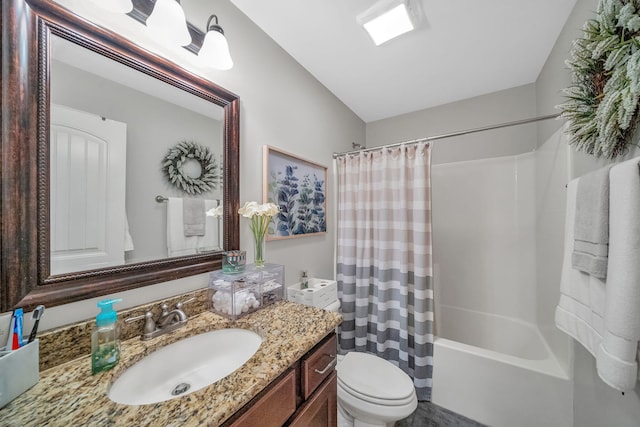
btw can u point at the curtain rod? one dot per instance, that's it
(452, 134)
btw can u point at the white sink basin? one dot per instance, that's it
(185, 366)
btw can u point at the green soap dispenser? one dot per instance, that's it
(105, 339)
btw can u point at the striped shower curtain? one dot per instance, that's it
(384, 269)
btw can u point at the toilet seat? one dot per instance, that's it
(375, 400)
(374, 380)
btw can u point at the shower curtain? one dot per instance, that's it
(384, 266)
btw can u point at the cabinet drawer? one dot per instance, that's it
(274, 408)
(318, 365)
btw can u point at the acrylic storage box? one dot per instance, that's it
(234, 295)
(319, 293)
(19, 371)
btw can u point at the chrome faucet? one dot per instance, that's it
(168, 318)
(167, 322)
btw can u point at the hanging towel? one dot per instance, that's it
(616, 360)
(193, 217)
(128, 240)
(180, 245)
(591, 239)
(582, 297)
(211, 240)
(605, 316)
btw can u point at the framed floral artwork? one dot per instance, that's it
(299, 188)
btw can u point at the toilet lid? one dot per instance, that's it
(371, 376)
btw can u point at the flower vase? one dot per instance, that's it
(258, 254)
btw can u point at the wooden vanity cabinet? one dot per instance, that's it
(304, 396)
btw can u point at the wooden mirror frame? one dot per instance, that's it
(24, 159)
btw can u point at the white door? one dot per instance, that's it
(88, 159)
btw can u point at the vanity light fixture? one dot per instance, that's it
(215, 49)
(388, 19)
(118, 6)
(167, 23)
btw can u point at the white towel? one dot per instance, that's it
(180, 245)
(591, 238)
(605, 316)
(193, 213)
(616, 360)
(128, 240)
(582, 297)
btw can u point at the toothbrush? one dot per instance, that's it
(36, 315)
(10, 335)
(16, 341)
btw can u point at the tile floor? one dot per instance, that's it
(430, 415)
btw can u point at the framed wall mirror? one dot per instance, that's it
(88, 118)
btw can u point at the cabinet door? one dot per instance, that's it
(274, 408)
(322, 409)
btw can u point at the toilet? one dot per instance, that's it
(371, 391)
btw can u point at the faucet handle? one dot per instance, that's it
(149, 325)
(181, 303)
(165, 309)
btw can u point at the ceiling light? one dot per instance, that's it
(388, 19)
(118, 6)
(167, 23)
(215, 49)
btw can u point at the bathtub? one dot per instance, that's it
(498, 370)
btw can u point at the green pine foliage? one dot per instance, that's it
(601, 104)
(185, 151)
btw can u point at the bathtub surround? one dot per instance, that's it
(384, 268)
(491, 363)
(604, 315)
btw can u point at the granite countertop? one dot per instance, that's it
(69, 395)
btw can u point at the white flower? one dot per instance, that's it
(267, 209)
(216, 212)
(253, 208)
(249, 209)
(271, 209)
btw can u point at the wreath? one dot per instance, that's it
(602, 100)
(179, 155)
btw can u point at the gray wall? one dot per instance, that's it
(281, 105)
(495, 108)
(595, 404)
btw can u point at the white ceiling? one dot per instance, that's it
(466, 48)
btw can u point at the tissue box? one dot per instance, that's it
(320, 292)
(234, 295)
(19, 371)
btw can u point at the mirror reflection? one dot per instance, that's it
(136, 165)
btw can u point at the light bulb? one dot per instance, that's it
(167, 23)
(215, 51)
